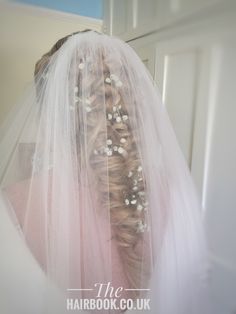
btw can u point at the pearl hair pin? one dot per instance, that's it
(115, 79)
(81, 66)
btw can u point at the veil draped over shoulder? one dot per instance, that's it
(96, 186)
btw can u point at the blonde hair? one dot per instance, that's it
(124, 219)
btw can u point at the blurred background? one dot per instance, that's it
(189, 47)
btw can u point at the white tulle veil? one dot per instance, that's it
(94, 181)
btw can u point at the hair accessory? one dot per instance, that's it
(141, 226)
(115, 79)
(81, 66)
(78, 100)
(117, 115)
(136, 197)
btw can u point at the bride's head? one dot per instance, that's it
(43, 61)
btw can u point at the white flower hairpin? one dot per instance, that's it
(136, 197)
(78, 100)
(117, 115)
(115, 80)
(109, 149)
(81, 66)
(141, 226)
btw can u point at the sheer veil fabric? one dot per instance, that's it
(97, 188)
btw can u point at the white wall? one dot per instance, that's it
(27, 32)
